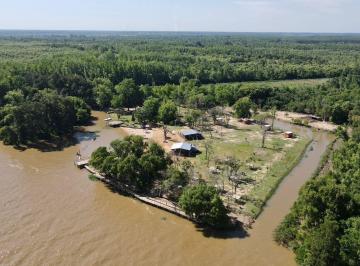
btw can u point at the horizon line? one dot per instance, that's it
(179, 31)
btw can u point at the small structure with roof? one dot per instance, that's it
(191, 134)
(289, 134)
(184, 149)
(247, 121)
(267, 127)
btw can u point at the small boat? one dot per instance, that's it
(107, 119)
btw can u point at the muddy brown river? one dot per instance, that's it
(52, 214)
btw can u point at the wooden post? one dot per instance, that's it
(263, 138)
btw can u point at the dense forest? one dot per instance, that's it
(114, 70)
(160, 59)
(32, 115)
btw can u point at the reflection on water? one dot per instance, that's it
(52, 214)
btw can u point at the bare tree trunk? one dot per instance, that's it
(165, 133)
(263, 139)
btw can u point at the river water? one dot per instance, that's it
(52, 214)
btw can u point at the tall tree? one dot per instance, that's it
(168, 112)
(242, 108)
(128, 95)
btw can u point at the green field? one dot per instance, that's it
(295, 83)
(264, 168)
(278, 171)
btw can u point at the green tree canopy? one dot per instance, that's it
(168, 112)
(350, 242)
(204, 204)
(242, 107)
(43, 115)
(149, 112)
(132, 162)
(128, 95)
(103, 92)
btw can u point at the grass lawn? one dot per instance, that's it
(287, 83)
(278, 171)
(281, 83)
(263, 168)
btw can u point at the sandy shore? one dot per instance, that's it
(289, 116)
(156, 135)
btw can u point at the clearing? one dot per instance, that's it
(261, 169)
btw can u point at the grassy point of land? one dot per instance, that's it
(278, 171)
(264, 168)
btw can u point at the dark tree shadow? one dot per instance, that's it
(59, 144)
(48, 146)
(92, 121)
(278, 149)
(237, 129)
(237, 232)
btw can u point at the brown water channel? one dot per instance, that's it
(52, 214)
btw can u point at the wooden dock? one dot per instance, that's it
(81, 164)
(160, 203)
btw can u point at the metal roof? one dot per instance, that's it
(182, 146)
(190, 132)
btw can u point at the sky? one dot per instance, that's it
(336, 16)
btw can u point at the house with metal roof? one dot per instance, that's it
(184, 149)
(191, 134)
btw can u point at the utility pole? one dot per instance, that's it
(273, 116)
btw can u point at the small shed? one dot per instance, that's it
(314, 117)
(184, 149)
(267, 127)
(115, 124)
(192, 134)
(248, 121)
(289, 134)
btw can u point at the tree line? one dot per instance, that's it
(334, 101)
(71, 64)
